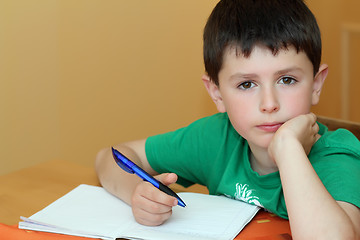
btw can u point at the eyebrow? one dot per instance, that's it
(254, 75)
(287, 70)
(243, 75)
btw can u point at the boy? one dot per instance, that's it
(262, 59)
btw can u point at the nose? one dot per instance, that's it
(269, 101)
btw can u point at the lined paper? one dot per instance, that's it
(91, 211)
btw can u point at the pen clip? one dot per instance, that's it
(120, 159)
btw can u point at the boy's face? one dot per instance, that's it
(263, 91)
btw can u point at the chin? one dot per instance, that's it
(260, 142)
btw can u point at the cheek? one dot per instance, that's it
(297, 104)
(241, 115)
(237, 106)
(241, 126)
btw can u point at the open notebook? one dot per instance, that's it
(91, 211)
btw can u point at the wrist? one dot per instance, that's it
(285, 150)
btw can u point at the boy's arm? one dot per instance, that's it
(150, 205)
(112, 177)
(313, 213)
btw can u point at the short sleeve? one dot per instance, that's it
(191, 152)
(337, 164)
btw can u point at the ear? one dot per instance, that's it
(319, 82)
(214, 93)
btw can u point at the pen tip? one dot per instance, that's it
(182, 204)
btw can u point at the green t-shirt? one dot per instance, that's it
(210, 152)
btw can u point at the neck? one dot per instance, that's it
(261, 162)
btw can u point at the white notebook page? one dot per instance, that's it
(92, 212)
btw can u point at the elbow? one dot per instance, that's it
(100, 161)
(343, 233)
(99, 157)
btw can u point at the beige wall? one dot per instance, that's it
(339, 21)
(76, 76)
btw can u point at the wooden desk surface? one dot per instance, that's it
(24, 192)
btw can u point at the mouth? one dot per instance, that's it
(269, 127)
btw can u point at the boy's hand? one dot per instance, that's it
(301, 130)
(151, 206)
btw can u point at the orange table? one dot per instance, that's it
(24, 192)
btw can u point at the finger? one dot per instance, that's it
(167, 178)
(150, 219)
(146, 207)
(155, 207)
(314, 125)
(146, 193)
(313, 117)
(316, 128)
(316, 132)
(161, 197)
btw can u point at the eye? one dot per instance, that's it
(287, 80)
(246, 85)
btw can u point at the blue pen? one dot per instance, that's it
(130, 167)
